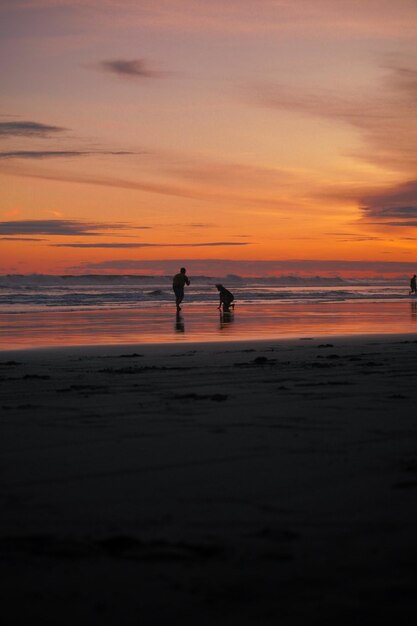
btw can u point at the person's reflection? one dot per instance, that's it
(179, 323)
(226, 318)
(413, 311)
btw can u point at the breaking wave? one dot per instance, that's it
(25, 293)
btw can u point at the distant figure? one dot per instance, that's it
(178, 283)
(413, 288)
(226, 298)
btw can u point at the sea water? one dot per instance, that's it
(22, 294)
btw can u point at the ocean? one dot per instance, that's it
(23, 294)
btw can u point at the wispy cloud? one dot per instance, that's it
(42, 154)
(28, 129)
(200, 225)
(381, 18)
(170, 189)
(136, 68)
(221, 267)
(21, 239)
(60, 227)
(149, 245)
(163, 188)
(403, 223)
(59, 154)
(234, 184)
(384, 117)
(353, 237)
(385, 121)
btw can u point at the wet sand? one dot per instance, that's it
(197, 323)
(268, 482)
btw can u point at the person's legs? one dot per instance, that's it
(179, 296)
(226, 304)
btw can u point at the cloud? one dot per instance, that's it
(384, 117)
(148, 245)
(59, 227)
(220, 267)
(28, 129)
(234, 184)
(351, 238)
(379, 18)
(151, 187)
(233, 175)
(21, 239)
(403, 223)
(41, 154)
(56, 154)
(396, 206)
(136, 68)
(158, 188)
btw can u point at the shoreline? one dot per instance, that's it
(163, 347)
(204, 323)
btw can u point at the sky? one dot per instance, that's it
(256, 137)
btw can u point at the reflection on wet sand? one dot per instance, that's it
(155, 324)
(179, 323)
(226, 318)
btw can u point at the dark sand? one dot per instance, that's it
(245, 483)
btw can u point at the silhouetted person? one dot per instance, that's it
(178, 283)
(413, 287)
(226, 298)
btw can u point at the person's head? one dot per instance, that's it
(414, 276)
(219, 286)
(183, 270)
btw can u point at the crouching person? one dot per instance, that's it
(226, 298)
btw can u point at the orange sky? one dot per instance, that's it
(143, 131)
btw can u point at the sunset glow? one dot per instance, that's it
(225, 135)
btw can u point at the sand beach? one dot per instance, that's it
(247, 482)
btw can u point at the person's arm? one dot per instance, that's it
(187, 280)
